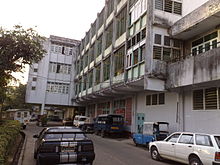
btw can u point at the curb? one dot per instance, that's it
(23, 149)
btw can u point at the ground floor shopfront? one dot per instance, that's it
(188, 109)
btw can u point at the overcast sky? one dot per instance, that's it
(65, 18)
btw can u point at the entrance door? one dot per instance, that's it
(140, 117)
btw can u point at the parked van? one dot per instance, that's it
(21, 115)
(109, 124)
(79, 121)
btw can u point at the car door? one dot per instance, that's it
(184, 147)
(205, 149)
(167, 147)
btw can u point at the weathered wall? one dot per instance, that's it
(192, 19)
(206, 121)
(193, 70)
(154, 113)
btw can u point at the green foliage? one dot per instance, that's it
(9, 131)
(18, 47)
(15, 98)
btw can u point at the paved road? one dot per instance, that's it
(108, 151)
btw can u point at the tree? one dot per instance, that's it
(18, 47)
(15, 98)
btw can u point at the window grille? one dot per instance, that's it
(168, 6)
(157, 50)
(198, 100)
(159, 4)
(177, 8)
(211, 98)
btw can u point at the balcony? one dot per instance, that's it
(197, 22)
(204, 67)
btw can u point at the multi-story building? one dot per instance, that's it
(153, 60)
(50, 82)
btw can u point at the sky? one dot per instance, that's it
(64, 18)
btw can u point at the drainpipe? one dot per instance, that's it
(134, 113)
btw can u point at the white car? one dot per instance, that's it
(79, 120)
(188, 148)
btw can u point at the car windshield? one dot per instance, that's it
(59, 136)
(117, 120)
(217, 138)
(82, 119)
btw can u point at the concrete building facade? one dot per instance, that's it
(51, 82)
(153, 60)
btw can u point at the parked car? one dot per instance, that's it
(54, 118)
(68, 122)
(188, 148)
(63, 145)
(152, 131)
(109, 124)
(79, 120)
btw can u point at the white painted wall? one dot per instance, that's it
(190, 5)
(200, 121)
(154, 113)
(39, 96)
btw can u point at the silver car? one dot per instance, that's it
(188, 148)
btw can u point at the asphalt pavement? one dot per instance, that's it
(109, 151)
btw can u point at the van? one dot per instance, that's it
(79, 121)
(109, 124)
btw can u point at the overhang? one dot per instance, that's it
(201, 20)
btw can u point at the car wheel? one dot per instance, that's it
(35, 155)
(155, 154)
(195, 161)
(102, 133)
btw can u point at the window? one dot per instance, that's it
(186, 139)
(90, 78)
(91, 54)
(106, 69)
(99, 45)
(18, 114)
(155, 99)
(159, 4)
(203, 140)
(205, 43)
(109, 35)
(143, 53)
(93, 29)
(119, 61)
(98, 71)
(59, 68)
(169, 51)
(169, 6)
(25, 114)
(85, 83)
(121, 22)
(161, 98)
(110, 7)
(55, 87)
(135, 57)
(206, 99)
(33, 88)
(148, 100)
(101, 18)
(157, 39)
(211, 98)
(173, 138)
(35, 70)
(34, 78)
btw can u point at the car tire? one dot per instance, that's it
(155, 154)
(35, 155)
(102, 133)
(195, 161)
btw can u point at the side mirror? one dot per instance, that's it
(35, 136)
